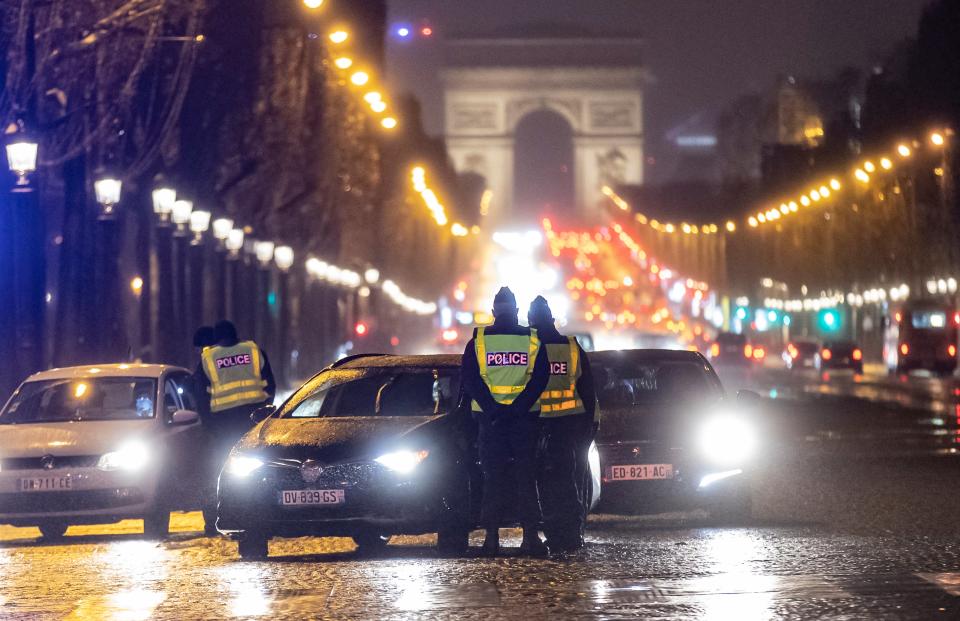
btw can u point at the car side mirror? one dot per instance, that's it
(184, 417)
(263, 413)
(748, 398)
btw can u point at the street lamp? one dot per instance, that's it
(107, 191)
(937, 139)
(163, 201)
(283, 256)
(372, 276)
(264, 251)
(199, 224)
(22, 158)
(222, 228)
(234, 241)
(389, 122)
(181, 215)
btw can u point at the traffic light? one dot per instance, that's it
(829, 320)
(361, 328)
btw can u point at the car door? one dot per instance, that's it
(186, 444)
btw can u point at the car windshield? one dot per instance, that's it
(630, 383)
(86, 399)
(378, 392)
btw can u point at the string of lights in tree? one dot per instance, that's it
(684, 228)
(418, 177)
(861, 175)
(354, 72)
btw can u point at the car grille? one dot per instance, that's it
(37, 463)
(42, 502)
(359, 475)
(623, 453)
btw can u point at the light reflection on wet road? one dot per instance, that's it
(833, 537)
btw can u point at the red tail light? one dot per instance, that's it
(898, 317)
(759, 353)
(715, 350)
(793, 351)
(904, 349)
(826, 354)
(857, 355)
(748, 351)
(956, 319)
(952, 350)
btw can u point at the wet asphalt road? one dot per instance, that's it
(857, 516)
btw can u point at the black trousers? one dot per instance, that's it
(224, 430)
(510, 445)
(564, 444)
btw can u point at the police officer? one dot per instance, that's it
(239, 380)
(568, 415)
(504, 371)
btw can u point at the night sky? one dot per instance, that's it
(702, 53)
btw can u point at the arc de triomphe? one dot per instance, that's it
(596, 84)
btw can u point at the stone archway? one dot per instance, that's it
(603, 105)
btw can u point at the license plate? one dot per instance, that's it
(44, 484)
(641, 472)
(299, 497)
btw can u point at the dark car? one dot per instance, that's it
(841, 355)
(372, 447)
(730, 349)
(669, 437)
(802, 355)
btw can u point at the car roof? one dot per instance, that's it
(453, 360)
(105, 370)
(386, 360)
(648, 355)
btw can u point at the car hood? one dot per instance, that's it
(338, 439)
(668, 423)
(70, 438)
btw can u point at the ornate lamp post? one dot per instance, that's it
(22, 159)
(164, 199)
(284, 257)
(199, 224)
(107, 190)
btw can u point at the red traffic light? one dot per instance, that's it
(361, 328)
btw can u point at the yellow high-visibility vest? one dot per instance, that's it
(506, 363)
(560, 398)
(234, 374)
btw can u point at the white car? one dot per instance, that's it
(99, 444)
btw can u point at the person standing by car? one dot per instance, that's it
(504, 370)
(568, 416)
(239, 380)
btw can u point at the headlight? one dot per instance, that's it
(727, 440)
(132, 456)
(241, 465)
(402, 461)
(593, 458)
